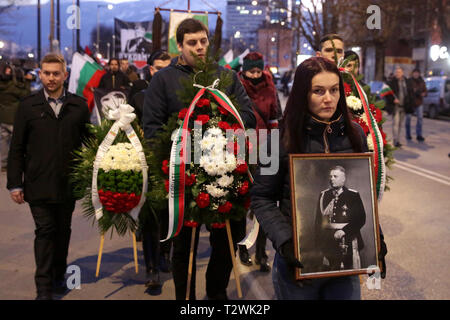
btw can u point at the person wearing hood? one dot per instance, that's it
(258, 84)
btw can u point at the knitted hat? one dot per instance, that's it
(253, 60)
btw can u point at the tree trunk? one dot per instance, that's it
(379, 60)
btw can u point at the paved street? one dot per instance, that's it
(414, 216)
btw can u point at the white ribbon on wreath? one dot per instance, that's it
(116, 109)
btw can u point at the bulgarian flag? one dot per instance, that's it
(385, 91)
(85, 74)
(227, 60)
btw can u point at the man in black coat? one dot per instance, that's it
(403, 101)
(114, 79)
(340, 216)
(49, 125)
(160, 102)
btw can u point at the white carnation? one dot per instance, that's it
(215, 191)
(225, 181)
(354, 103)
(121, 156)
(370, 144)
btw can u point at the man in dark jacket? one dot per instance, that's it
(114, 79)
(420, 90)
(49, 125)
(160, 102)
(12, 90)
(403, 102)
(156, 254)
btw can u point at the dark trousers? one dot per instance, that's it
(51, 243)
(152, 228)
(219, 266)
(261, 245)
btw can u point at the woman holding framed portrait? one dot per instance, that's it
(315, 121)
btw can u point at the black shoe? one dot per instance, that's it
(408, 138)
(262, 262)
(60, 287)
(153, 281)
(244, 256)
(44, 296)
(397, 144)
(420, 138)
(164, 263)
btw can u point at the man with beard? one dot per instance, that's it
(114, 79)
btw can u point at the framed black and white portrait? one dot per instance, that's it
(334, 213)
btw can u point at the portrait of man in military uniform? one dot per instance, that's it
(335, 214)
(340, 215)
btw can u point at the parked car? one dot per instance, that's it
(438, 97)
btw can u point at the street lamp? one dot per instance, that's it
(110, 7)
(2, 44)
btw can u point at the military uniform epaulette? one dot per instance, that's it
(329, 189)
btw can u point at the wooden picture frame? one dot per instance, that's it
(334, 214)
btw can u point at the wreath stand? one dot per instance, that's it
(233, 259)
(100, 252)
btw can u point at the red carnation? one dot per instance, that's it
(222, 110)
(203, 118)
(241, 169)
(224, 125)
(244, 188)
(202, 200)
(247, 203)
(377, 114)
(236, 126)
(165, 166)
(202, 102)
(190, 224)
(182, 113)
(218, 225)
(362, 123)
(166, 184)
(384, 137)
(225, 208)
(347, 89)
(189, 180)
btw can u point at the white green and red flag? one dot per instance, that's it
(85, 74)
(233, 63)
(385, 91)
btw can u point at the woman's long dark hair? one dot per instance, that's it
(297, 105)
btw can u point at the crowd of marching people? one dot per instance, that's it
(40, 130)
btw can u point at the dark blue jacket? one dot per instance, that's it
(161, 98)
